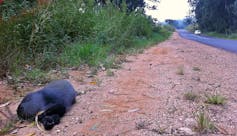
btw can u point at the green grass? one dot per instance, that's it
(59, 35)
(216, 100)
(94, 54)
(225, 36)
(204, 124)
(90, 54)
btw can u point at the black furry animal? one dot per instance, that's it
(55, 99)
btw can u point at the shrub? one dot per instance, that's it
(215, 99)
(120, 30)
(11, 8)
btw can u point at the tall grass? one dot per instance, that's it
(70, 33)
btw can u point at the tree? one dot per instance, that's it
(216, 15)
(130, 4)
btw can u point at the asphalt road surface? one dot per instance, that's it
(228, 45)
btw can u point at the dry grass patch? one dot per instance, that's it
(196, 69)
(180, 70)
(190, 96)
(109, 73)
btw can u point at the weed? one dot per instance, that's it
(36, 76)
(190, 96)
(215, 99)
(203, 123)
(110, 62)
(180, 70)
(6, 128)
(7, 124)
(86, 36)
(109, 72)
(99, 81)
(196, 69)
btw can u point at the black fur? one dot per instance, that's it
(55, 100)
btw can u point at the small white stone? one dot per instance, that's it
(190, 122)
(14, 131)
(74, 133)
(186, 131)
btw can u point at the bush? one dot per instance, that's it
(120, 30)
(11, 8)
(42, 36)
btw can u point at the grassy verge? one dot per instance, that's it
(56, 36)
(95, 54)
(232, 36)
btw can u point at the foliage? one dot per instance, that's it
(84, 54)
(216, 15)
(10, 8)
(119, 29)
(225, 36)
(131, 5)
(70, 33)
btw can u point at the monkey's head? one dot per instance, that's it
(30, 106)
(25, 110)
(49, 121)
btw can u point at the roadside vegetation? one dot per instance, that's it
(35, 39)
(220, 35)
(215, 99)
(204, 124)
(216, 18)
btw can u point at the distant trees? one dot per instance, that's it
(179, 24)
(131, 5)
(216, 15)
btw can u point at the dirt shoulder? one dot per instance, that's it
(147, 95)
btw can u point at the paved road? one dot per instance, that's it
(229, 45)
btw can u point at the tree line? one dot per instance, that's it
(216, 15)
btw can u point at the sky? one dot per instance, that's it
(169, 9)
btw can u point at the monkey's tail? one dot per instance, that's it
(39, 125)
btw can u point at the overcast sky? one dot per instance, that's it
(169, 9)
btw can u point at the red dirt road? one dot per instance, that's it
(146, 96)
